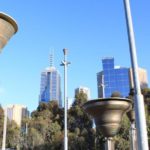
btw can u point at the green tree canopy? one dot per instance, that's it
(45, 129)
(80, 125)
(1, 124)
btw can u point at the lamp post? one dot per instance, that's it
(108, 113)
(8, 27)
(139, 102)
(132, 131)
(103, 86)
(4, 129)
(65, 64)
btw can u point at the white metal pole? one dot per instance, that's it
(139, 102)
(4, 129)
(108, 144)
(103, 86)
(65, 98)
(65, 64)
(133, 138)
(26, 131)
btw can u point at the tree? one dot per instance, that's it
(80, 99)
(13, 134)
(34, 140)
(116, 94)
(1, 124)
(146, 94)
(81, 134)
(54, 136)
(122, 140)
(44, 128)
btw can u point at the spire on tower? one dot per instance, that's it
(51, 58)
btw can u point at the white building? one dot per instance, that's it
(85, 90)
(70, 102)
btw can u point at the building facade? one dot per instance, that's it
(142, 78)
(50, 88)
(17, 112)
(117, 79)
(83, 89)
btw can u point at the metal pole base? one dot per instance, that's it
(133, 137)
(109, 145)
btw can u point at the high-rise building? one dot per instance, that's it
(50, 88)
(117, 79)
(83, 89)
(17, 112)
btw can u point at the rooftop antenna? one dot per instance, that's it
(51, 58)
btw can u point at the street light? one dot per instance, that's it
(103, 87)
(107, 114)
(4, 129)
(65, 64)
(8, 27)
(138, 101)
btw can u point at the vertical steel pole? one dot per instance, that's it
(65, 64)
(139, 102)
(133, 138)
(26, 131)
(65, 97)
(103, 86)
(4, 129)
(109, 144)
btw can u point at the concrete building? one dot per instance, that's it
(142, 77)
(17, 112)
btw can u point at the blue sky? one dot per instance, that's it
(90, 29)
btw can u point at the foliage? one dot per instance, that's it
(116, 94)
(99, 140)
(1, 124)
(45, 129)
(33, 139)
(80, 99)
(122, 139)
(146, 94)
(81, 132)
(13, 134)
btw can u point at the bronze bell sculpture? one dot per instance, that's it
(8, 27)
(107, 114)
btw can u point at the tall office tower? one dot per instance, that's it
(50, 88)
(17, 112)
(83, 89)
(119, 79)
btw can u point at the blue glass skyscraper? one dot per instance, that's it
(113, 79)
(50, 88)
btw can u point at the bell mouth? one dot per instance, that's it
(108, 113)
(10, 20)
